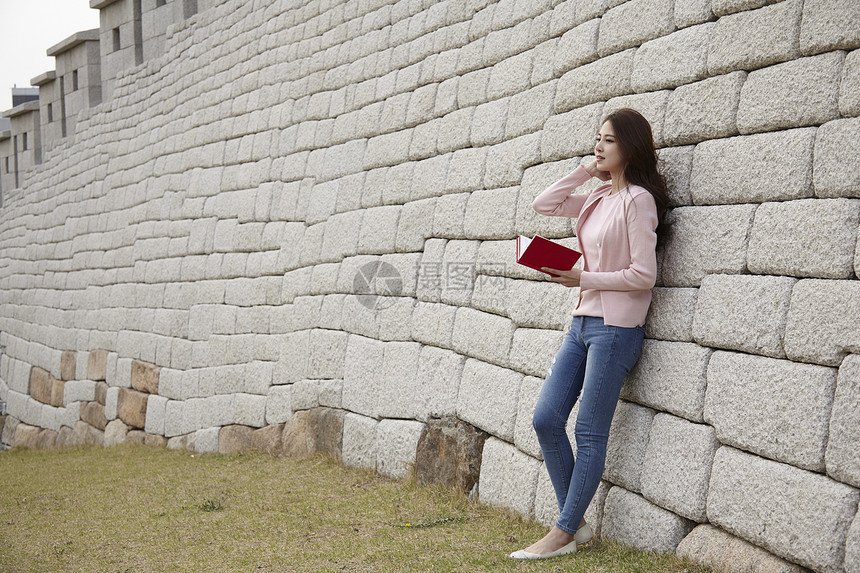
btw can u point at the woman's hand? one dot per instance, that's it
(592, 170)
(567, 278)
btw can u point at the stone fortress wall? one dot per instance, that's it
(293, 230)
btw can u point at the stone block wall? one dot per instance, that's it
(294, 232)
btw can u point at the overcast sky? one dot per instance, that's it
(27, 29)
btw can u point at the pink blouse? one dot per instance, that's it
(621, 264)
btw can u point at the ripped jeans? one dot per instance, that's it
(590, 367)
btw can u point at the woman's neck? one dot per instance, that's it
(618, 182)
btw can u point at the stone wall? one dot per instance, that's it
(294, 232)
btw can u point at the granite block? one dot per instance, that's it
(482, 335)
(396, 444)
(821, 321)
(793, 94)
(677, 466)
(508, 477)
(359, 441)
(703, 110)
(672, 60)
(623, 513)
(772, 504)
(488, 127)
(829, 25)
(849, 86)
(705, 240)
(507, 160)
(628, 442)
(670, 376)
(719, 550)
(692, 12)
(490, 214)
(569, 134)
(774, 166)
(438, 382)
(577, 46)
(598, 81)
(671, 314)
(835, 146)
(510, 76)
(488, 396)
(792, 428)
(634, 23)
(529, 110)
(732, 47)
(841, 457)
(745, 313)
(776, 247)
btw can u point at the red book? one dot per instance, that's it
(540, 252)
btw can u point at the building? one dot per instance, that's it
(23, 95)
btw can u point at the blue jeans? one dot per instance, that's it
(590, 367)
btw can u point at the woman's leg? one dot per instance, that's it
(612, 352)
(558, 394)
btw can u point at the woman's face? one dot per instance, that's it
(606, 149)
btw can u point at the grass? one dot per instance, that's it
(139, 509)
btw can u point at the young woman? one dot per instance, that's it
(616, 229)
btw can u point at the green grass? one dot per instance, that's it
(139, 509)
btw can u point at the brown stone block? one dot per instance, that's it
(97, 365)
(235, 439)
(183, 442)
(294, 439)
(41, 385)
(57, 389)
(154, 440)
(101, 393)
(115, 432)
(319, 430)
(47, 439)
(9, 427)
(35, 438)
(67, 365)
(327, 432)
(135, 437)
(25, 436)
(64, 436)
(144, 376)
(724, 552)
(267, 439)
(449, 452)
(83, 433)
(93, 414)
(131, 407)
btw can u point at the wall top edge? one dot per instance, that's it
(22, 109)
(44, 78)
(74, 40)
(99, 4)
(6, 134)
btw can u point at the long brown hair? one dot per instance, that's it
(634, 137)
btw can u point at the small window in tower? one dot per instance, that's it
(50, 113)
(116, 43)
(75, 80)
(160, 3)
(24, 141)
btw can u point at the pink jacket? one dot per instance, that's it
(627, 267)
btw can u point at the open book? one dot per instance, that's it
(540, 252)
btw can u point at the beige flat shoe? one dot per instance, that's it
(582, 536)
